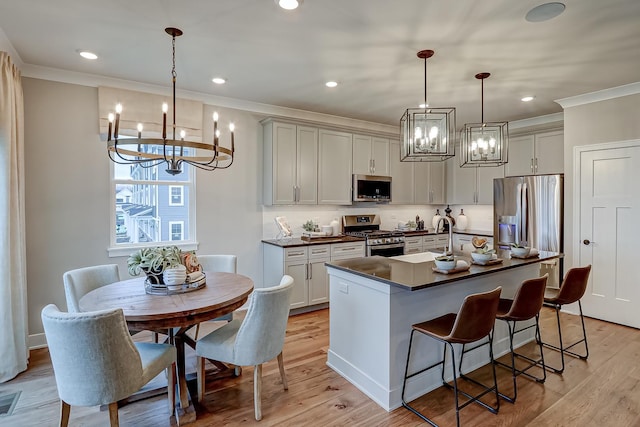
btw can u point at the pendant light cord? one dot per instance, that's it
(425, 84)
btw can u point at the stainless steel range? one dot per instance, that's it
(378, 242)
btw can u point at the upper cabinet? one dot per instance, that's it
(429, 178)
(370, 155)
(290, 164)
(536, 154)
(402, 180)
(334, 167)
(470, 186)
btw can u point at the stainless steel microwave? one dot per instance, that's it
(371, 188)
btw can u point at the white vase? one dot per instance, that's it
(461, 221)
(436, 219)
(175, 276)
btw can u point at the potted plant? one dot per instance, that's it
(153, 261)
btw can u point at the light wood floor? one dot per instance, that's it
(603, 391)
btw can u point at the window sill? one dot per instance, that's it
(120, 251)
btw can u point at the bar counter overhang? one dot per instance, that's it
(375, 300)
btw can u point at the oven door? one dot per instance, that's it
(393, 249)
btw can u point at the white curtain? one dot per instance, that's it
(13, 284)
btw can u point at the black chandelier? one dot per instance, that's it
(150, 152)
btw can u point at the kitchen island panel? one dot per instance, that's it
(370, 326)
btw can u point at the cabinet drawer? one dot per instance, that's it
(347, 250)
(412, 250)
(319, 251)
(413, 241)
(295, 254)
(429, 242)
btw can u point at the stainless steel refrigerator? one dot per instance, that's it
(529, 210)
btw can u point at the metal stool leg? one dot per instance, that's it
(562, 349)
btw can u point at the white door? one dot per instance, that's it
(609, 230)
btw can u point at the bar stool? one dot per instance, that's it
(473, 322)
(526, 305)
(571, 290)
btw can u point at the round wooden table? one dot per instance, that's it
(223, 293)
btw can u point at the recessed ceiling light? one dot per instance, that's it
(545, 12)
(423, 105)
(527, 98)
(331, 84)
(219, 80)
(88, 55)
(289, 4)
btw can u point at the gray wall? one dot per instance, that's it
(68, 192)
(599, 122)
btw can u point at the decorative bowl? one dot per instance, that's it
(445, 264)
(522, 252)
(481, 256)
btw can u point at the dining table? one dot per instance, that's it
(176, 313)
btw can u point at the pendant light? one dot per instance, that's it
(485, 143)
(427, 134)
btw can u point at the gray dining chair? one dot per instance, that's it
(81, 281)
(252, 341)
(218, 263)
(95, 361)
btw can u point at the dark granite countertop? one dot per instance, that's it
(415, 276)
(296, 241)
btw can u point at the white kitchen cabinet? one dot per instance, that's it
(435, 241)
(402, 179)
(306, 264)
(290, 164)
(463, 241)
(536, 154)
(413, 245)
(334, 167)
(429, 185)
(470, 186)
(370, 155)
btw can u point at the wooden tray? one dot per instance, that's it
(452, 271)
(486, 263)
(320, 238)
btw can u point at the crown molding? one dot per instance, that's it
(555, 118)
(601, 95)
(92, 80)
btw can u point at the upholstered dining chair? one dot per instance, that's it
(81, 281)
(95, 361)
(219, 263)
(252, 341)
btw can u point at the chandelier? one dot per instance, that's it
(486, 143)
(426, 133)
(150, 152)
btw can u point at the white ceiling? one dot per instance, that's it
(283, 58)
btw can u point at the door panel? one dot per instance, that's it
(609, 232)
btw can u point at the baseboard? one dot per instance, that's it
(36, 341)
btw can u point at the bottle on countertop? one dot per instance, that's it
(419, 223)
(436, 219)
(447, 211)
(462, 221)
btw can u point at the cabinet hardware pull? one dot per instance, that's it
(306, 271)
(536, 164)
(531, 165)
(587, 242)
(310, 271)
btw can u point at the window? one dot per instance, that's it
(150, 206)
(175, 195)
(176, 230)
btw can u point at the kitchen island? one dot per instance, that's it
(375, 300)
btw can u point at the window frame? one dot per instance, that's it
(125, 249)
(171, 224)
(181, 202)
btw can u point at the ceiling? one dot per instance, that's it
(283, 58)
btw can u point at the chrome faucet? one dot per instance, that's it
(449, 249)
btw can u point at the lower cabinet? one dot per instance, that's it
(462, 242)
(306, 264)
(417, 244)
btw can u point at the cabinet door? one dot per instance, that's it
(521, 156)
(380, 156)
(284, 163)
(307, 166)
(421, 183)
(300, 294)
(464, 184)
(318, 282)
(401, 177)
(334, 167)
(436, 182)
(362, 161)
(486, 175)
(549, 150)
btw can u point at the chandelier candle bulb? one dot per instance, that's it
(110, 124)
(140, 130)
(232, 128)
(165, 108)
(117, 125)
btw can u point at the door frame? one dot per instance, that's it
(577, 184)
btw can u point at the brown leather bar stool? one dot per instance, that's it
(472, 323)
(524, 306)
(571, 290)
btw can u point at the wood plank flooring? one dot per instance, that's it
(603, 391)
